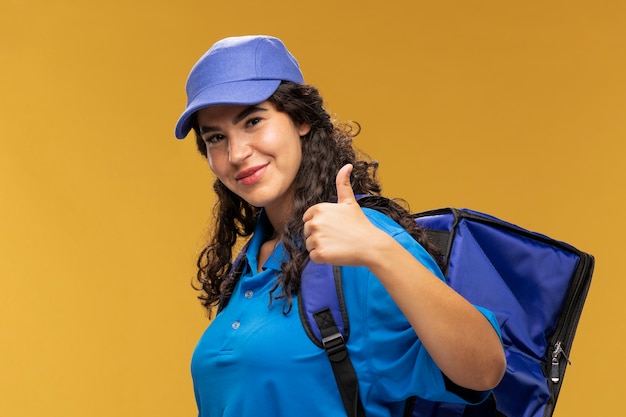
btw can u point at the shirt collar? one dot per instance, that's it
(262, 230)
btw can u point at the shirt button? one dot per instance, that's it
(249, 294)
(235, 325)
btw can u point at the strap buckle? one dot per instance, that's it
(335, 346)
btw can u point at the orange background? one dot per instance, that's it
(515, 109)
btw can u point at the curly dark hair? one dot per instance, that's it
(325, 149)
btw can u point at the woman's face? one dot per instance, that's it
(254, 150)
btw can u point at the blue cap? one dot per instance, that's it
(241, 70)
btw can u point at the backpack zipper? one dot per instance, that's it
(555, 375)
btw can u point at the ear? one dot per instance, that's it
(303, 129)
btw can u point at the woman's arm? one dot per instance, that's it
(460, 340)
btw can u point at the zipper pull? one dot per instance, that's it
(555, 375)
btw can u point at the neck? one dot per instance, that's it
(279, 214)
(277, 220)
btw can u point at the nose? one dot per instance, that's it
(238, 149)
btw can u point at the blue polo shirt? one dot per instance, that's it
(253, 360)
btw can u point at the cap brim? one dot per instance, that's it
(237, 93)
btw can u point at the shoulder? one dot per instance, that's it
(395, 230)
(383, 221)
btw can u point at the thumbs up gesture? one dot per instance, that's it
(338, 233)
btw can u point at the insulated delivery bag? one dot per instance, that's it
(535, 285)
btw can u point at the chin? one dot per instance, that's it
(257, 202)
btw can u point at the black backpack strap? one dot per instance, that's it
(335, 346)
(323, 315)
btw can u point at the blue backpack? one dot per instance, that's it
(536, 286)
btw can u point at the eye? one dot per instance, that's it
(253, 121)
(212, 139)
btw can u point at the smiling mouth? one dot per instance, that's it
(251, 175)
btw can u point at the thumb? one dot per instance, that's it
(344, 189)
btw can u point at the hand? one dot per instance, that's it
(338, 234)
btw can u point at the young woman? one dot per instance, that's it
(287, 175)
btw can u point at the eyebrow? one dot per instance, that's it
(238, 118)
